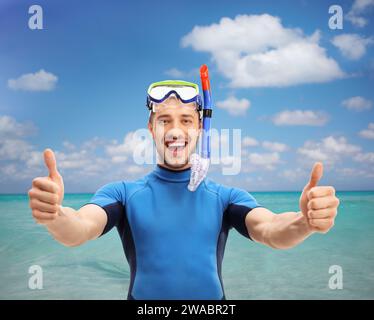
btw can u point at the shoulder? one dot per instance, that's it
(120, 190)
(231, 195)
(132, 187)
(112, 187)
(112, 190)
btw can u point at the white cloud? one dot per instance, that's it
(14, 149)
(234, 106)
(249, 142)
(116, 160)
(175, 73)
(275, 146)
(300, 118)
(179, 74)
(361, 5)
(85, 166)
(12, 146)
(123, 149)
(357, 20)
(266, 161)
(365, 157)
(74, 160)
(38, 81)
(359, 8)
(68, 145)
(35, 159)
(293, 174)
(357, 103)
(94, 143)
(8, 170)
(258, 51)
(339, 145)
(313, 152)
(16, 154)
(355, 172)
(328, 150)
(369, 132)
(133, 142)
(9, 127)
(134, 169)
(347, 171)
(352, 46)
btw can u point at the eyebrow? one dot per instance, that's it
(163, 116)
(187, 115)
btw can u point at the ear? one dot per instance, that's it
(150, 128)
(200, 124)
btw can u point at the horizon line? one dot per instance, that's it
(25, 193)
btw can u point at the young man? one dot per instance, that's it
(174, 239)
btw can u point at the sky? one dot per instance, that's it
(298, 89)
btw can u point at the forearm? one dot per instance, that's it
(286, 230)
(68, 228)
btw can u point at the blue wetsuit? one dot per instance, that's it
(174, 239)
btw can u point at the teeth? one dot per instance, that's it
(176, 144)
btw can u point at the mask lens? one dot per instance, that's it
(159, 92)
(187, 93)
(167, 104)
(184, 92)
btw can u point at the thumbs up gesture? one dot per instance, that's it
(318, 204)
(47, 193)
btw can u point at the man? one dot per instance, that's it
(173, 238)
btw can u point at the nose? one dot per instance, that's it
(175, 133)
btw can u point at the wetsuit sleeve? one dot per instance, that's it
(111, 197)
(241, 203)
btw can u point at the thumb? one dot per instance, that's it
(50, 162)
(315, 175)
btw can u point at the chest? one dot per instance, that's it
(173, 211)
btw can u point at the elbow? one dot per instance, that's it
(279, 245)
(69, 244)
(282, 247)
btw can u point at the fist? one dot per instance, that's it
(47, 193)
(318, 204)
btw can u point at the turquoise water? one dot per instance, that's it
(98, 269)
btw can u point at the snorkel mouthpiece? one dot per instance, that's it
(200, 164)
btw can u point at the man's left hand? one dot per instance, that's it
(318, 204)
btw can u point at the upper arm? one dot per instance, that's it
(105, 209)
(257, 223)
(240, 204)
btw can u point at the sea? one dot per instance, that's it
(336, 265)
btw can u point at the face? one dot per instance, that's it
(175, 128)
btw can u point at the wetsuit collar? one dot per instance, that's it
(171, 175)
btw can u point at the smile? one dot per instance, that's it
(175, 146)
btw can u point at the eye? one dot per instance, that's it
(187, 121)
(163, 121)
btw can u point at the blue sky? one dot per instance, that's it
(305, 89)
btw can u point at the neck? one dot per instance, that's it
(170, 174)
(168, 167)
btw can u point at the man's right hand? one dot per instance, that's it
(47, 193)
